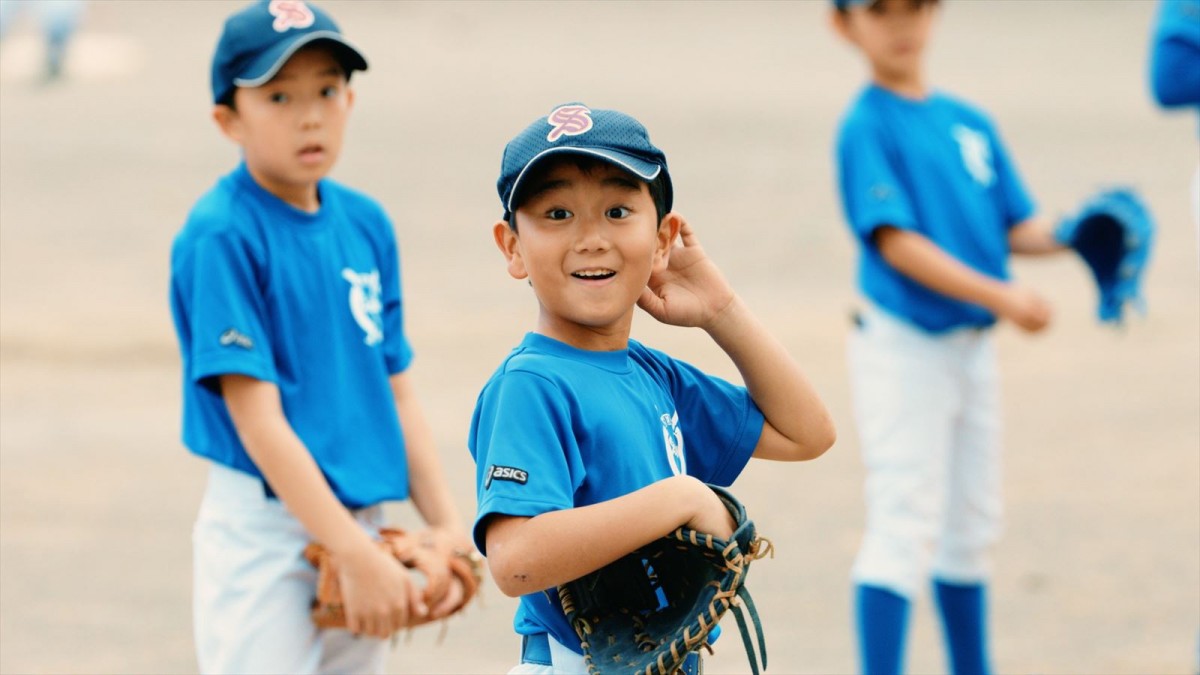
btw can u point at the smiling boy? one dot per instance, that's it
(587, 443)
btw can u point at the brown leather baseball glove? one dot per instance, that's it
(427, 551)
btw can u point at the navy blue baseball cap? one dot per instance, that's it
(258, 40)
(574, 128)
(846, 4)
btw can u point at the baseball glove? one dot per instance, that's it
(426, 552)
(1113, 233)
(648, 611)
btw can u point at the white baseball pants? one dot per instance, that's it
(253, 589)
(928, 415)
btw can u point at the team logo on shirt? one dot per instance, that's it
(365, 304)
(976, 154)
(290, 14)
(233, 336)
(568, 120)
(508, 473)
(673, 438)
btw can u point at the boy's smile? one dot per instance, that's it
(291, 128)
(587, 240)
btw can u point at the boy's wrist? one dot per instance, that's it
(354, 541)
(729, 318)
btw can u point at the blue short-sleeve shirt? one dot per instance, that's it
(308, 301)
(558, 427)
(1175, 54)
(935, 166)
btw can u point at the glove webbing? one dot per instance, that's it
(735, 561)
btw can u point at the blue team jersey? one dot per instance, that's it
(1175, 55)
(936, 167)
(309, 302)
(558, 427)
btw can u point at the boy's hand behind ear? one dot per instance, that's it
(691, 291)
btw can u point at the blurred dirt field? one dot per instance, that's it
(1099, 570)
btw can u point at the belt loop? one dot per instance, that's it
(535, 649)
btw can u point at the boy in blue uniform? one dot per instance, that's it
(1174, 67)
(285, 290)
(587, 443)
(1175, 54)
(936, 207)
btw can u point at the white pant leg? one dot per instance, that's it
(341, 652)
(566, 662)
(974, 511)
(904, 399)
(531, 669)
(253, 588)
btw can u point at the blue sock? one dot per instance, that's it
(882, 624)
(964, 623)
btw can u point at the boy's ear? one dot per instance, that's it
(668, 232)
(509, 244)
(840, 23)
(228, 121)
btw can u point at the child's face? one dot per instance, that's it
(891, 33)
(587, 241)
(291, 128)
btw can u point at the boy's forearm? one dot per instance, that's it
(1034, 236)
(919, 259)
(527, 555)
(777, 384)
(287, 465)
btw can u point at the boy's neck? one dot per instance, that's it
(910, 86)
(304, 197)
(610, 339)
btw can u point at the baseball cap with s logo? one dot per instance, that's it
(574, 128)
(258, 40)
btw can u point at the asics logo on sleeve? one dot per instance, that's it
(508, 473)
(568, 120)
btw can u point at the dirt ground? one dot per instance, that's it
(1099, 571)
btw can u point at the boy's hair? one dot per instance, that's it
(586, 164)
(258, 40)
(600, 136)
(843, 6)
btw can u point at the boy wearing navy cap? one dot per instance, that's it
(588, 444)
(285, 290)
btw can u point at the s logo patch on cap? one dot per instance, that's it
(290, 14)
(568, 120)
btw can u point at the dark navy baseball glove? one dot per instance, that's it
(651, 610)
(1113, 233)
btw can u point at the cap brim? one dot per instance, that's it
(263, 68)
(639, 167)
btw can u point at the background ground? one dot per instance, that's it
(1100, 568)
